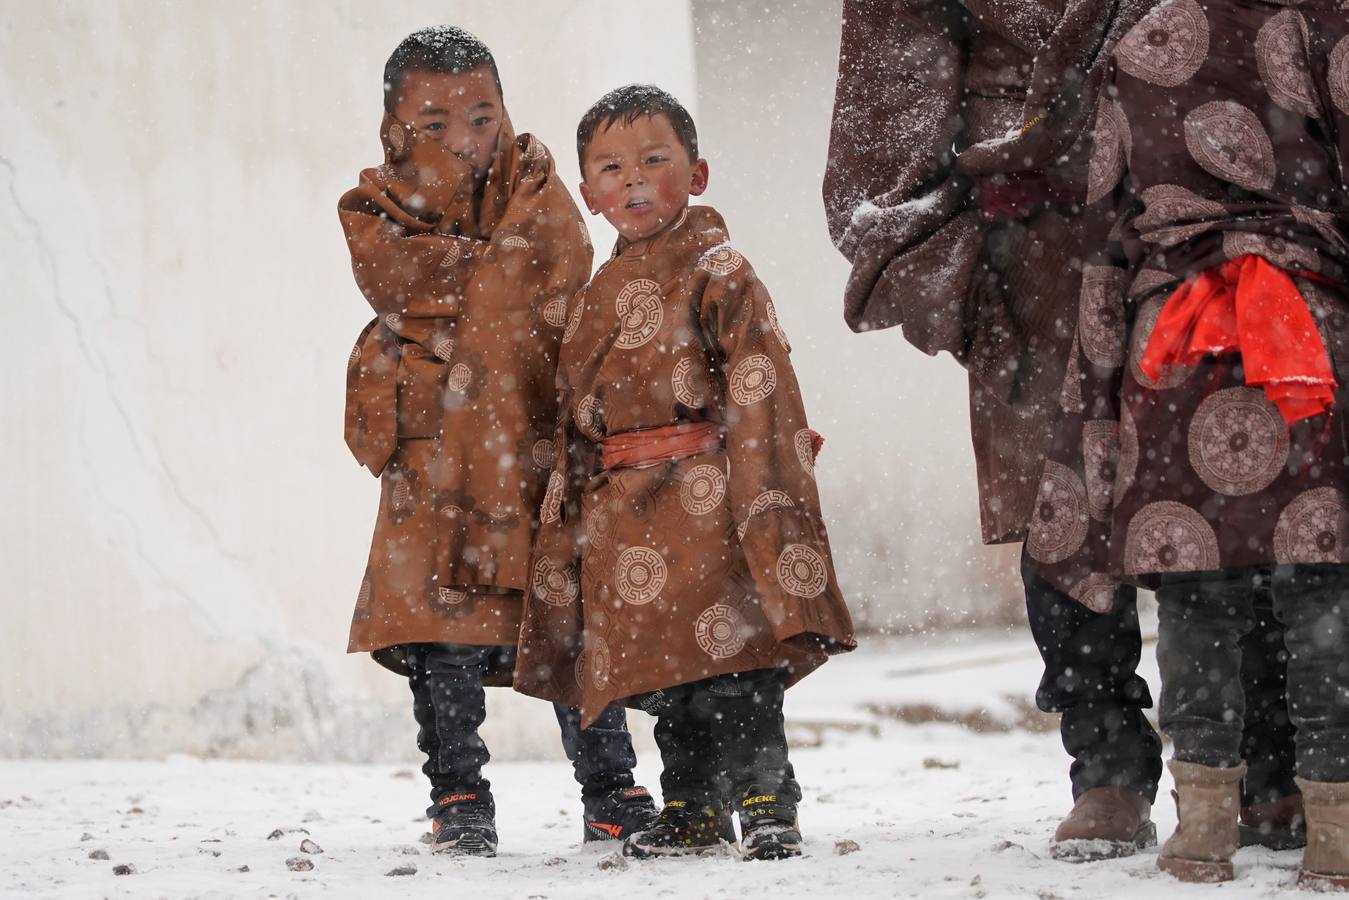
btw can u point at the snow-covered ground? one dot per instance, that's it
(924, 751)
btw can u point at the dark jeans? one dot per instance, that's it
(1205, 620)
(449, 704)
(1091, 677)
(723, 738)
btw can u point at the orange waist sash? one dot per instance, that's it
(652, 446)
(1252, 307)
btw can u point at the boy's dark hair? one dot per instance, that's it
(437, 48)
(626, 104)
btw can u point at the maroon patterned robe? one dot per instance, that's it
(1224, 132)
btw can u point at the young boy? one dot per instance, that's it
(1203, 450)
(682, 562)
(467, 246)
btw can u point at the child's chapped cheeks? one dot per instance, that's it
(639, 176)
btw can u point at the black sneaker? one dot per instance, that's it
(464, 823)
(683, 828)
(614, 815)
(768, 827)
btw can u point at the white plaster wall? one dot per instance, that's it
(183, 530)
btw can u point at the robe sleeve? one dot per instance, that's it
(771, 455)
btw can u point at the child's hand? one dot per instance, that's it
(423, 176)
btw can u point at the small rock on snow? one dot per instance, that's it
(308, 846)
(123, 869)
(932, 762)
(427, 837)
(278, 833)
(86, 836)
(243, 869)
(401, 870)
(300, 864)
(407, 850)
(846, 846)
(98, 854)
(614, 862)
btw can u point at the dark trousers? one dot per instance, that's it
(1091, 678)
(1206, 621)
(723, 738)
(449, 704)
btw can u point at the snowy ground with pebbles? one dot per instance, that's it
(925, 754)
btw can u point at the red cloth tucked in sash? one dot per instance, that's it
(1252, 307)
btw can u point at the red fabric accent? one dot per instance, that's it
(632, 449)
(1248, 306)
(1010, 196)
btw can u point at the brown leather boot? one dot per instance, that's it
(1279, 824)
(1325, 862)
(1207, 801)
(1104, 823)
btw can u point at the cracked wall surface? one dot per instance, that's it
(184, 531)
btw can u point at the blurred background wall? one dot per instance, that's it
(183, 530)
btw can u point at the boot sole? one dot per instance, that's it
(635, 852)
(1274, 839)
(1095, 850)
(1317, 881)
(772, 850)
(469, 845)
(1195, 871)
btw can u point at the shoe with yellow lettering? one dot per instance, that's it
(615, 815)
(685, 827)
(768, 827)
(463, 823)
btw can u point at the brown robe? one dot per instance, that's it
(450, 394)
(646, 578)
(1225, 132)
(935, 97)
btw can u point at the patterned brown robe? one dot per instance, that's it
(450, 394)
(650, 577)
(1225, 132)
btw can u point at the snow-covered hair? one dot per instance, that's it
(627, 104)
(437, 48)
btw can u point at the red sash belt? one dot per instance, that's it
(650, 446)
(1252, 307)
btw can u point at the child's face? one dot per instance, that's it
(639, 176)
(461, 111)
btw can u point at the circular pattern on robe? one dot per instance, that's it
(1238, 441)
(459, 378)
(401, 496)
(393, 320)
(1281, 55)
(355, 356)
(551, 510)
(588, 417)
(599, 527)
(544, 454)
(574, 323)
(555, 312)
(640, 312)
(451, 511)
(1058, 524)
(1101, 326)
(1111, 147)
(451, 255)
(804, 442)
(1229, 142)
(1144, 323)
(1322, 220)
(801, 571)
(721, 260)
(515, 242)
(534, 148)
(1169, 537)
(1313, 528)
(1338, 75)
(777, 326)
(1096, 592)
(1169, 204)
(1149, 281)
(640, 575)
(450, 597)
(1283, 253)
(682, 384)
(1167, 46)
(593, 665)
(397, 137)
(703, 489)
(363, 595)
(1100, 455)
(1070, 396)
(766, 501)
(753, 379)
(553, 584)
(444, 349)
(1127, 467)
(720, 631)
